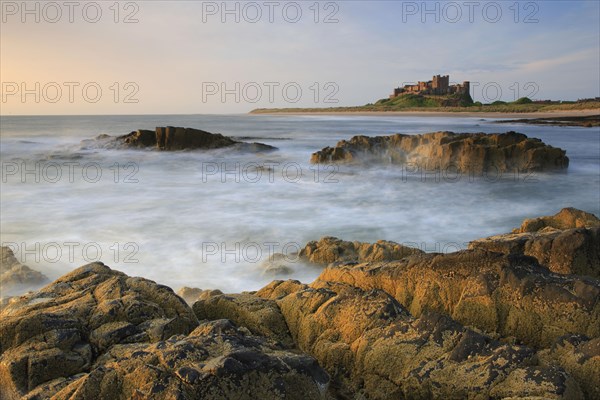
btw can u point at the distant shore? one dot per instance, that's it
(458, 114)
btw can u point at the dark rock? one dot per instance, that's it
(580, 357)
(176, 138)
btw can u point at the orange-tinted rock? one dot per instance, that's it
(566, 243)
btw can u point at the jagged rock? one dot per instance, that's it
(215, 361)
(472, 153)
(176, 138)
(502, 295)
(99, 334)
(261, 316)
(192, 295)
(580, 357)
(567, 218)
(375, 349)
(279, 289)
(57, 331)
(333, 250)
(16, 278)
(566, 243)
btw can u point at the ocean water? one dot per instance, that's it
(210, 219)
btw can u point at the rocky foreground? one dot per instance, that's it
(473, 153)
(176, 138)
(382, 321)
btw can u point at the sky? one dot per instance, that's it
(205, 57)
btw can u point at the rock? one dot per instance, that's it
(279, 289)
(281, 265)
(566, 243)
(472, 153)
(333, 250)
(330, 250)
(502, 295)
(56, 332)
(580, 357)
(261, 316)
(176, 138)
(16, 278)
(373, 348)
(567, 218)
(99, 334)
(215, 361)
(192, 295)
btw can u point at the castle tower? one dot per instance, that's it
(440, 84)
(466, 87)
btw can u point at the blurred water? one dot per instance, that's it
(175, 218)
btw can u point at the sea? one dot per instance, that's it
(212, 219)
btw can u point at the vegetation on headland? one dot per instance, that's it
(418, 102)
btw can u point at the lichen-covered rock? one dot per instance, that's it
(374, 348)
(176, 138)
(472, 153)
(502, 295)
(215, 361)
(261, 316)
(279, 289)
(566, 243)
(580, 357)
(100, 334)
(16, 278)
(56, 332)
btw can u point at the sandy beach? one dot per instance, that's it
(458, 114)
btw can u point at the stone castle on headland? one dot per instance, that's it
(439, 85)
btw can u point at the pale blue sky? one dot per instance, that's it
(180, 55)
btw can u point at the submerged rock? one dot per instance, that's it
(177, 138)
(16, 278)
(473, 153)
(566, 243)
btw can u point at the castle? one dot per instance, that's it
(439, 85)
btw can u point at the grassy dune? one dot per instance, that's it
(412, 102)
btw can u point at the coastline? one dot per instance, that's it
(458, 114)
